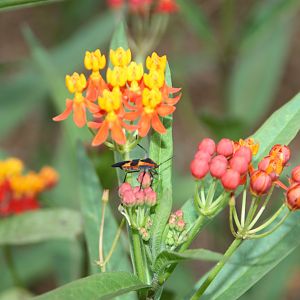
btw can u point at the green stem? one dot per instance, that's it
(215, 271)
(7, 251)
(260, 212)
(211, 193)
(243, 206)
(258, 236)
(138, 259)
(269, 222)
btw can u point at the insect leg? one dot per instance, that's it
(142, 180)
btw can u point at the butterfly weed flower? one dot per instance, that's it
(76, 84)
(19, 191)
(125, 103)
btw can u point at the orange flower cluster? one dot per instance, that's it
(141, 6)
(128, 100)
(18, 191)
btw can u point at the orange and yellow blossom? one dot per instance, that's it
(112, 111)
(76, 84)
(95, 61)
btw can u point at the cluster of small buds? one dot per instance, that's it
(140, 195)
(18, 191)
(269, 169)
(293, 191)
(144, 6)
(176, 234)
(145, 231)
(228, 161)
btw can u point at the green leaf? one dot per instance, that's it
(91, 209)
(253, 260)
(97, 286)
(161, 149)
(280, 128)
(166, 258)
(257, 73)
(5, 4)
(119, 38)
(193, 15)
(42, 225)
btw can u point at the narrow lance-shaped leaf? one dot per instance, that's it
(91, 209)
(39, 226)
(166, 258)
(97, 286)
(257, 73)
(161, 149)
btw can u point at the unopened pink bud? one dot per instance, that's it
(231, 180)
(180, 225)
(225, 147)
(260, 183)
(124, 187)
(282, 151)
(150, 197)
(203, 155)
(140, 197)
(128, 198)
(293, 197)
(296, 174)
(239, 163)
(199, 168)
(179, 213)
(145, 176)
(272, 166)
(218, 166)
(244, 152)
(207, 145)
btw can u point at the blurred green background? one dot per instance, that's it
(236, 61)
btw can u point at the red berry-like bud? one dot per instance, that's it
(123, 188)
(239, 163)
(199, 168)
(225, 147)
(203, 155)
(282, 151)
(296, 174)
(260, 183)
(128, 198)
(218, 166)
(180, 225)
(207, 145)
(145, 176)
(230, 180)
(244, 152)
(293, 197)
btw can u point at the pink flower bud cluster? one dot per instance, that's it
(138, 195)
(177, 225)
(269, 169)
(227, 161)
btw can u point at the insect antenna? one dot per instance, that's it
(166, 161)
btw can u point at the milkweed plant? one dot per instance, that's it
(128, 104)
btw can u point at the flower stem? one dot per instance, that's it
(218, 267)
(115, 241)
